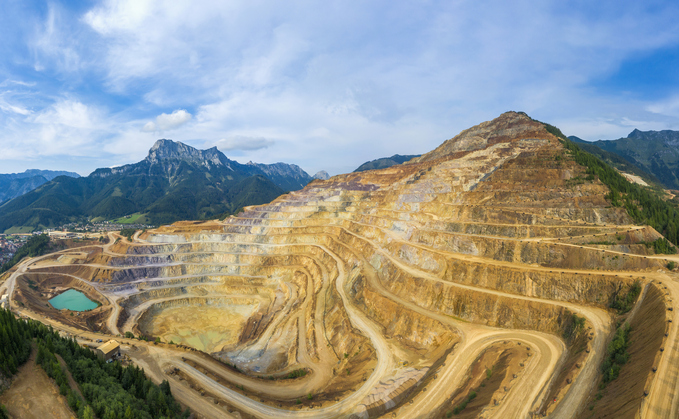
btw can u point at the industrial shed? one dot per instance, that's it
(108, 350)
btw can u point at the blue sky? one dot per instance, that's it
(325, 85)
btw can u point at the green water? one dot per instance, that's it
(73, 300)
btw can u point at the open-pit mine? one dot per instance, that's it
(478, 280)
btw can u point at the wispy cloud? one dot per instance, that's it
(64, 128)
(53, 46)
(8, 107)
(242, 143)
(16, 82)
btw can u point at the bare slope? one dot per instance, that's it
(34, 395)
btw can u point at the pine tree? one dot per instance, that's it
(88, 413)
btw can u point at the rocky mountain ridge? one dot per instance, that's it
(169, 154)
(288, 177)
(655, 152)
(175, 181)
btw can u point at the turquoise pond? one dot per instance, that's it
(73, 300)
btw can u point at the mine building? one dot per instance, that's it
(4, 301)
(108, 350)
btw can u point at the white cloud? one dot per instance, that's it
(165, 122)
(67, 127)
(69, 113)
(239, 142)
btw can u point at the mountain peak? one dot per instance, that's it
(508, 127)
(668, 137)
(162, 143)
(164, 149)
(322, 174)
(635, 134)
(385, 162)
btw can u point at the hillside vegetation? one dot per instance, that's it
(654, 151)
(617, 161)
(642, 204)
(17, 184)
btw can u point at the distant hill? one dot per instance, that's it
(616, 161)
(174, 182)
(17, 184)
(288, 177)
(656, 152)
(385, 162)
(322, 175)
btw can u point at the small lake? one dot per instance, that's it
(73, 300)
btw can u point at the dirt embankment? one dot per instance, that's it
(621, 399)
(345, 339)
(488, 378)
(34, 395)
(554, 284)
(411, 329)
(577, 339)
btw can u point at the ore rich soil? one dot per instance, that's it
(206, 328)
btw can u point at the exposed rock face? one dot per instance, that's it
(511, 127)
(399, 274)
(168, 155)
(171, 150)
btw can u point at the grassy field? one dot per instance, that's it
(19, 230)
(131, 219)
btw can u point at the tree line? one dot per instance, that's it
(15, 347)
